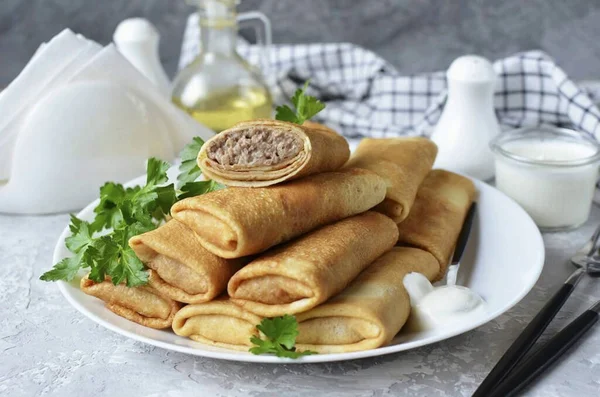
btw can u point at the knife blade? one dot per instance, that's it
(461, 244)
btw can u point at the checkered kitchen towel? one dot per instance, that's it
(366, 96)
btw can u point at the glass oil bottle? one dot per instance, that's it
(219, 88)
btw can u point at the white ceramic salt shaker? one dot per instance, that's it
(137, 39)
(468, 121)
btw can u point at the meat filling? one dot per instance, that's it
(254, 147)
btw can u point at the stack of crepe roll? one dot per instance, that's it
(302, 229)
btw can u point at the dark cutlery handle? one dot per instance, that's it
(542, 359)
(528, 337)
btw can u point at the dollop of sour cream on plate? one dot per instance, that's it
(432, 307)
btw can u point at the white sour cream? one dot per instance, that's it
(555, 196)
(432, 307)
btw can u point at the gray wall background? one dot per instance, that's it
(414, 35)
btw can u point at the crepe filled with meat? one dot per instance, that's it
(403, 163)
(143, 305)
(266, 152)
(236, 222)
(298, 276)
(371, 311)
(437, 216)
(183, 270)
(218, 323)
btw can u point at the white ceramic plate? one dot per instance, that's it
(503, 260)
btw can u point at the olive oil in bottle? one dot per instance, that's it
(220, 89)
(220, 110)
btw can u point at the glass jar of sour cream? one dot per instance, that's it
(551, 172)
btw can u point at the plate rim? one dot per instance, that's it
(241, 356)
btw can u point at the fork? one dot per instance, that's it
(587, 261)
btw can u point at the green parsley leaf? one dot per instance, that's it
(103, 252)
(75, 224)
(126, 267)
(156, 172)
(191, 150)
(285, 113)
(65, 269)
(189, 170)
(107, 211)
(166, 196)
(282, 330)
(113, 257)
(120, 207)
(80, 242)
(280, 334)
(81, 235)
(191, 189)
(146, 200)
(306, 107)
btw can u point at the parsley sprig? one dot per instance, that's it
(280, 333)
(189, 172)
(306, 107)
(102, 245)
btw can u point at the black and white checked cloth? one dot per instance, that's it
(367, 97)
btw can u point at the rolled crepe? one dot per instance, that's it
(300, 275)
(219, 323)
(183, 269)
(143, 305)
(403, 163)
(265, 152)
(236, 222)
(437, 216)
(371, 311)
